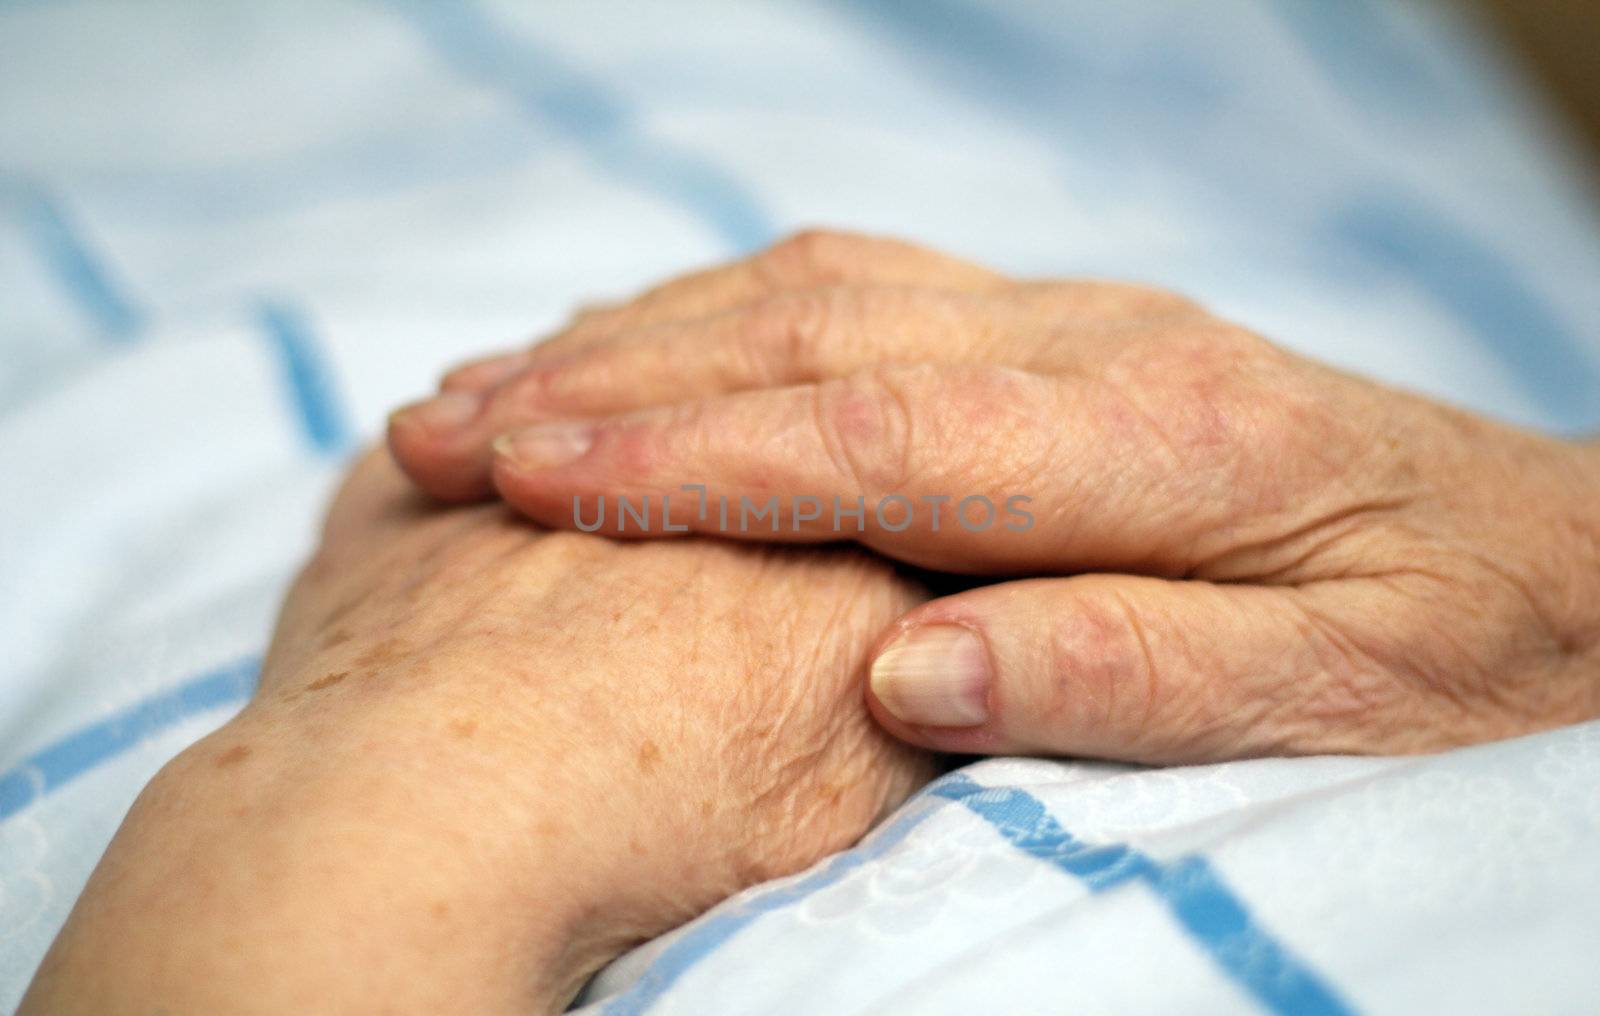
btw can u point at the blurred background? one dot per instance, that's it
(1353, 177)
(233, 235)
(1556, 42)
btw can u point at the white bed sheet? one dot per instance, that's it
(232, 235)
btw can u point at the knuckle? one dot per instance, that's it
(1122, 680)
(1147, 689)
(792, 334)
(866, 425)
(1101, 679)
(811, 256)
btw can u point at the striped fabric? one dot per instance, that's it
(232, 235)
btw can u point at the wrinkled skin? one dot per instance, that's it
(1239, 552)
(725, 679)
(483, 759)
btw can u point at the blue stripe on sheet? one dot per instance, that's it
(60, 763)
(710, 932)
(307, 375)
(1204, 906)
(82, 272)
(1486, 292)
(1198, 898)
(584, 111)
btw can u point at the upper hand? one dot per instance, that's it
(1251, 553)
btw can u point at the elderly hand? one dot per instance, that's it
(1243, 552)
(483, 760)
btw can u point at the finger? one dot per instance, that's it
(812, 335)
(426, 437)
(775, 463)
(433, 441)
(788, 339)
(1138, 669)
(1035, 473)
(1179, 464)
(792, 338)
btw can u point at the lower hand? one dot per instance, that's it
(1242, 552)
(483, 760)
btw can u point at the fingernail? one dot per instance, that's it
(934, 676)
(546, 446)
(449, 411)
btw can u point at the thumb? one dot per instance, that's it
(1116, 667)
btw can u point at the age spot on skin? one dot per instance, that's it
(328, 681)
(233, 756)
(463, 728)
(387, 651)
(649, 757)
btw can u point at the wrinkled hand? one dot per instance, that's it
(483, 759)
(1248, 553)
